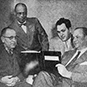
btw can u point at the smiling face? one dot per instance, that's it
(9, 39)
(79, 39)
(21, 13)
(63, 32)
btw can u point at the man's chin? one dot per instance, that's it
(76, 46)
(63, 40)
(22, 20)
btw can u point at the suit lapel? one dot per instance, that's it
(67, 56)
(82, 58)
(30, 32)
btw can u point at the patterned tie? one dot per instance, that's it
(73, 60)
(11, 52)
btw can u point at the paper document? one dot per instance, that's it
(83, 63)
(30, 51)
(52, 58)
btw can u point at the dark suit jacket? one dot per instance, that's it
(79, 71)
(36, 37)
(8, 65)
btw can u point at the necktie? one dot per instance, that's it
(66, 47)
(20, 24)
(74, 59)
(11, 52)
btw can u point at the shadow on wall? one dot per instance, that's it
(54, 32)
(12, 16)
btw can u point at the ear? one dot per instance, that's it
(2, 39)
(70, 30)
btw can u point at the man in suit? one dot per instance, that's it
(30, 33)
(74, 68)
(10, 74)
(62, 42)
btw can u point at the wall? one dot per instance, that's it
(5, 9)
(48, 12)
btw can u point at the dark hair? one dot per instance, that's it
(84, 29)
(3, 31)
(65, 21)
(22, 4)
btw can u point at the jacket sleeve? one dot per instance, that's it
(44, 79)
(42, 36)
(80, 74)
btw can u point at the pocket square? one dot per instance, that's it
(83, 63)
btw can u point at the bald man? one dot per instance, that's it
(30, 33)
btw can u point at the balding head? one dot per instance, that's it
(80, 38)
(8, 37)
(20, 6)
(21, 12)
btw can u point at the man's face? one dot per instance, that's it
(9, 39)
(79, 39)
(21, 13)
(63, 32)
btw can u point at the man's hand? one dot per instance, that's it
(6, 79)
(30, 79)
(9, 80)
(15, 79)
(63, 71)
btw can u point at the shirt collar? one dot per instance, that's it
(8, 49)
(68, 43)
(83, 50)
(21, 23)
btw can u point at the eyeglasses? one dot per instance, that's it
(11, 37)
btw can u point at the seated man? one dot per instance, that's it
(73, 70)
(74, 64)
(10, 74)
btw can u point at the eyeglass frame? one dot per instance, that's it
(11, 37)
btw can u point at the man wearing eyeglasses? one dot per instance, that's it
(10, 74)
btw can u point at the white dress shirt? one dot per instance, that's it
(23, 26)
(67, 45)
